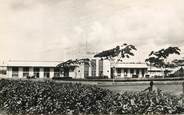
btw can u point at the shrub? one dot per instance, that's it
(36, 97)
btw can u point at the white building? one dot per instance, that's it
(48, 69)
(39, 69)
(130, 70)
(96, 68)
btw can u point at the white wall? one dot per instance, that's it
(78, 72)
(51, 72)
(20, 72)
(9, 72)
(41, 73)
(106, 68)
(72, 73)
(31, 72)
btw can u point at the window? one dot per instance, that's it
(56, 72)
(137, 71)
(46, 72)
(86, 70)
(25, 72)
(36, 72)
(93, 67)
(100, 67)
(14, 71)
(125, 72)
(118, 71)
(132, 71)
(143, 72)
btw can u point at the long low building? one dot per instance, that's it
(96, 68)
(130, 70)
(39, 69)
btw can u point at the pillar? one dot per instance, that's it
(145, 72)
(90, 72)
(134, 72)
(31, 71)
(41, 73)
(128, 73)
(97, 68)
(9, 73)
(140, 73)
(51, 72)
(122, 73)
(115, 73)
(20, 72)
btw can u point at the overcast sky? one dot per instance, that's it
(60, 29)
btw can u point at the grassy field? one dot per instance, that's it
(173, 87)
(170, 88)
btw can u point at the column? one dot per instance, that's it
(20, 72)
(140, 73)
(134, 72)
(115, 73)
(122, 73)
(145, 72)
(90, 72)
(128, 73)
(97, 68)
(41, 73)
(31, 72)
(51, 72)
(9, 73)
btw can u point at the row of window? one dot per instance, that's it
(36, 72)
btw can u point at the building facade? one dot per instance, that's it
(95, 68)
(38, 69)
(130, 70)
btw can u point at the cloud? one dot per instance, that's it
(60, 29)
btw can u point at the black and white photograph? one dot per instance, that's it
(91, 57)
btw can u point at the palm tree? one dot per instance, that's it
(159, 58)
(117, 54)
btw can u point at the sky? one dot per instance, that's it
(54, 30)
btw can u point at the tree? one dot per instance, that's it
(71, 64)
(117, 54)
(159, 58)
(178, 62)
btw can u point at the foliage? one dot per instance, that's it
(73, 62)
(123, 51)
(157, 58)
(36, 97)
(178, 62)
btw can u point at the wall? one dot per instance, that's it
(106, 68)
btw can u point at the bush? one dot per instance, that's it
(97, 77)
(62, 78)
(36, 97)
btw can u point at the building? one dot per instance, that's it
(130, 70)
(95, 68)
(39, 69)
(48, 69)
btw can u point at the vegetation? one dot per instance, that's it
(117, 54)
(71, 64)
(159, 58)
(33, 97)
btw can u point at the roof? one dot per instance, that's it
(19, 63)
(131, 65)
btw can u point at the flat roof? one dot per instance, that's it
(22, 63)
(131, 65)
